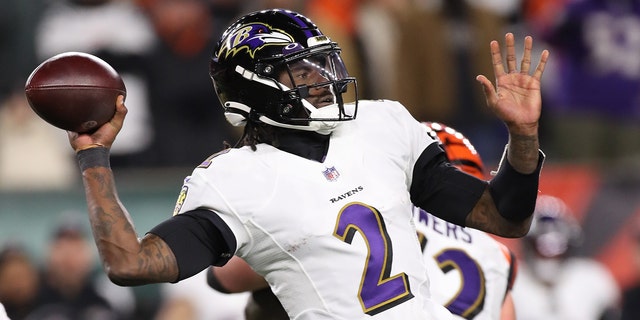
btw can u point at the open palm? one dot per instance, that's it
(516, 97)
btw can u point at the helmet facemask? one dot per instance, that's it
(311, 84)
(306, 87)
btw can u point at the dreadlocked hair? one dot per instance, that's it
(255, 133)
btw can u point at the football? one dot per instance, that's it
(74, 91)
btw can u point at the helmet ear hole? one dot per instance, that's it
(286, 109)
(265, 69)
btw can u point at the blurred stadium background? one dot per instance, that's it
(39, 180)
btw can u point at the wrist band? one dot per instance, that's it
(515, 193)
(93, 158)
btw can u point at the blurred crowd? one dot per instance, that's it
(64, 283)
(423, 53)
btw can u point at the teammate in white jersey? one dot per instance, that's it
(555, 284)
(471, 273)
(317, 201)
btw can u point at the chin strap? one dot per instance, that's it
(237, 114)
(328, 112)
(321, 127)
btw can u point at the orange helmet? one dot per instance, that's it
(460, 152)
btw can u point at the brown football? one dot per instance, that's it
(74, 91)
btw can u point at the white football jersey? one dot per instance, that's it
(335, 240)
(3, 313)
(468, 269)
(582, 290)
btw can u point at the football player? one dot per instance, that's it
(315, 199)
(552, 279)
(471, 273)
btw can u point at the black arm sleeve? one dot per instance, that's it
(442, 189)
(198, 239)
(515, 193)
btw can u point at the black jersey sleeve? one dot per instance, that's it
(442, 189)
(198, 239)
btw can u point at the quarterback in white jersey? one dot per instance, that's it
(296, 250)
(471, 273)
(317, 201)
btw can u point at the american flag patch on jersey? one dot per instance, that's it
(331, 174)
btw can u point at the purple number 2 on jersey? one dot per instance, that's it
(470, 298)
(378, 290)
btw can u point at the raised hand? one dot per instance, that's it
(516, 97)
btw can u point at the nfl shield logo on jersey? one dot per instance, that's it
(331, 174)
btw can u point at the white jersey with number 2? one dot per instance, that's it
(470, 272)
(334, 239)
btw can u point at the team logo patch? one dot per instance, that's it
(181, 197)
(252, 37)
(331, 174)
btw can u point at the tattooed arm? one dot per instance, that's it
(127, 260)
(494, 212)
